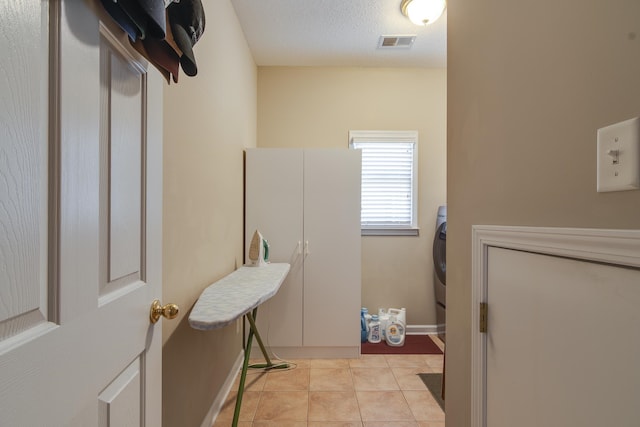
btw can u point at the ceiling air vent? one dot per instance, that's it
(396, 42)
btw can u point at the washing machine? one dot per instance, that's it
(440, 269)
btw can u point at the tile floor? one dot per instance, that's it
(372, 391)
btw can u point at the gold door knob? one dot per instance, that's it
(169, 311)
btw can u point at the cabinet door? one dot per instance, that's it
(332, 266)
(273, 204)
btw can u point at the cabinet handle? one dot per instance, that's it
(306, 248)
(297, 252)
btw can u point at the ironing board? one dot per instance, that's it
(235, 295)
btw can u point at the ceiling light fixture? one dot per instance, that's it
(423, 12)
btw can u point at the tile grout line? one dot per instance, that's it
(355, 394)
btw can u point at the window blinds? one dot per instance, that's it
(387, 183)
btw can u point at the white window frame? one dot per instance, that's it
(391, 137)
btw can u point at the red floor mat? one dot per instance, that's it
(413, 344)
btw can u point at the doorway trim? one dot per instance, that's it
(616, 247)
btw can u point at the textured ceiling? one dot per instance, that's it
(337, 33)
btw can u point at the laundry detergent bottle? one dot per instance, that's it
(364, 327)
(375, 335)
(395, 332)
(399, 313)
(383, 316)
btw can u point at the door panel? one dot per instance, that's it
(93, 352)
(274, 207)
(125, 142)
(120, 402)
(562, 347)
(23, 169)
(332, 267)
(122, 183)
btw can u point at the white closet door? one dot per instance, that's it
(273, 203)
(332, 269)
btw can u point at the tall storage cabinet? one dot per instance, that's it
(306, 203)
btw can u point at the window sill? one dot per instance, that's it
(390, 231)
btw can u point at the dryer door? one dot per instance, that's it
(440, 253)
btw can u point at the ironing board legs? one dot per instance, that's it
(253, 330)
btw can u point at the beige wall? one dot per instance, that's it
(316, 107)
(208, 121)
(529, 83)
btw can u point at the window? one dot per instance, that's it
(389, 181)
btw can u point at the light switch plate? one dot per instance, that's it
(619, 156)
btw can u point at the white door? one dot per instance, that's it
(80, 221)
(333, 262)
(273, 202)
(562, 343)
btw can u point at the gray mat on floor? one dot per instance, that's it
(434, 384)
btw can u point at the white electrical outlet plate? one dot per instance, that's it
(619, 156)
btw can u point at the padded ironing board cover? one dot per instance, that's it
(236, 294)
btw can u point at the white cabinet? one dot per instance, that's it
(306, 203)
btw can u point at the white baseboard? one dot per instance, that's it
(423, 329)
(216, 406)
